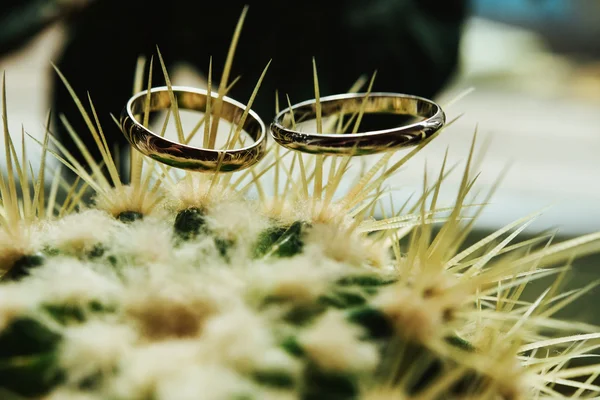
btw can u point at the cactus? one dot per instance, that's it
(187, 287)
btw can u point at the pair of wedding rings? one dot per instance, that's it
(183, 156)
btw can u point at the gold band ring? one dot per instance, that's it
(188, 157)
(358, 143)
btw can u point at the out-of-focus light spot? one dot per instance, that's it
(524, 10)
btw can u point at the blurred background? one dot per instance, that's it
(531, 67)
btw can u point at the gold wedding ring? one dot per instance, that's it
(181, 155)
(433, 119)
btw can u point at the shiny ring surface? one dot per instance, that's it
(180, 155)
(433, 119)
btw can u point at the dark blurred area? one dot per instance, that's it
(413, 45)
